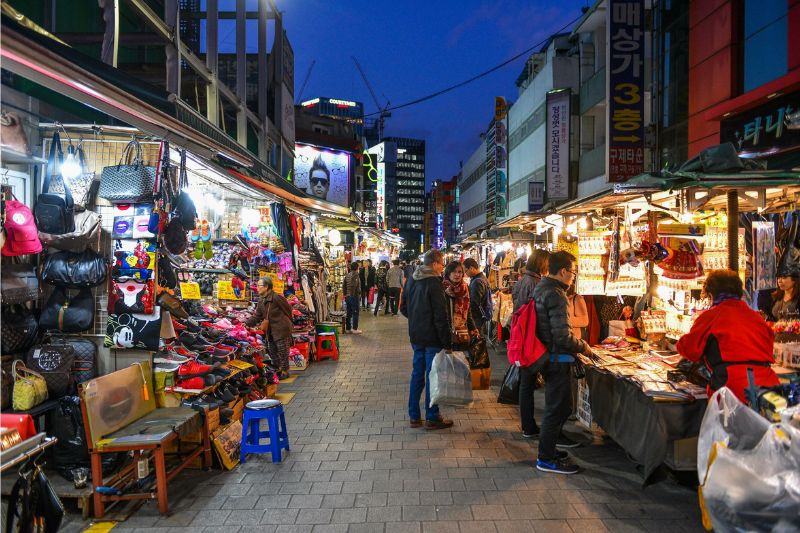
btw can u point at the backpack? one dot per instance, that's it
(22, 237)
(524, 347)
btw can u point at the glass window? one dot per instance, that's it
(765, 41)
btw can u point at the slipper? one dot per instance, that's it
(209, 250)
(205, 230)
(198, 250)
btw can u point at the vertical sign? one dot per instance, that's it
(625, 109)
(557, 151)
(535, 195)
(439, 231)
(381, 193)
(497, 163)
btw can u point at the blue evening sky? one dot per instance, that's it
(413, 48)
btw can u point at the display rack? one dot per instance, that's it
(26, 449)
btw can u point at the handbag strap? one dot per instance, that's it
(55, 153)
(183, 181)
(132, 147)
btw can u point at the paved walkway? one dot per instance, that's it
(356, 466)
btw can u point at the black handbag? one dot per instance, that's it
(75, 270)
(166, 273)
(54, 362)
(478, 355)
(19, 283)
(175, 237)
(19, 329)
(68, 315)
(33, 505)
(83, 187)
(54, 212)
(185, 209)
(84, 365)
(128, 182)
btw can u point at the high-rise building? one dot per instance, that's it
(406, 196)
(349, 110)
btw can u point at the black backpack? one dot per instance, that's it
(54, 212)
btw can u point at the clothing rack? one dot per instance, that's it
(36, 450)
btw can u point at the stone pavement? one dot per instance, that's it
(356, 466)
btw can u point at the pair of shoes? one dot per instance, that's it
(441, 423)
(557, 466)
(284, 374)
(348, 331)
(415, 423)
(565, 442)
(356, 332)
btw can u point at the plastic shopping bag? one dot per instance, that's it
(750, 469)
(509, 391)
(450, 379)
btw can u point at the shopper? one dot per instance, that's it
(786, 299)
(522, 293)
(458, 309)
(425, 306)
(352, 295)
(273, 315)
(367, 274)
(480, 295)
(408, 269)
(730, 338)
(395, 278)
(383, 288)
(553, 329)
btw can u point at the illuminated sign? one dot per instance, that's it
(309, 103)
(381, 191)
(323, 173)
(439, 231)
(765, 130)
(557, 166)
(497, 166)
(343, 103)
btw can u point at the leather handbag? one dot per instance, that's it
(128, 181)
(54, 362)
(68, 314)
(18, 283)
(87, 231)
(12, 133)
(83, 187)
(19, 329)
(175, 236)
(185, 209)
(30, 388)
(49, 506)
(84, 366)
(54, 212)
(72, 270)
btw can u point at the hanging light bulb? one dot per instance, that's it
(71, 167)
(335, 237)
(313, 218)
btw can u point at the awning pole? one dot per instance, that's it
(733, 230)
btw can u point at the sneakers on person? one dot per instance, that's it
(533, 435)
(415, 423)
(441, 423)
(565, 442)
(356, 332)
(557, 466)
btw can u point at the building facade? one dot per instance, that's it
(347, 110)
(405, 214)
(472, 191)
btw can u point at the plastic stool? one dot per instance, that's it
(331, 350)
(330, 327)
(254, 413)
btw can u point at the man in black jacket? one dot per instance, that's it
(553, 329)
(425, 306)
(478, 289)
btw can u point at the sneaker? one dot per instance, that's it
(415, 423)
(565, 442)
(557, 466)
(356, 332)
(561, 455)
(534, 435)
(169, 357)
(193, 369)
(442, 423)
(191, 383)
(167, 367)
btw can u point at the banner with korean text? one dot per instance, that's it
(558, 131)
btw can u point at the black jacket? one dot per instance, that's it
(425, 304)
(552, 322)
(478, 286)
(367, 276)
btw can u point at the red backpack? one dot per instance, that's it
(22, 237)
(524, 347)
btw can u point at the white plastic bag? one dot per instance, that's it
(753, 482)
(450, 380)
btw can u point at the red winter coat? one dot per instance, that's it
(729, 338)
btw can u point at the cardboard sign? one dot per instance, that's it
(225, 292)
(190, 290)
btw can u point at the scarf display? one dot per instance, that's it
(459, 296)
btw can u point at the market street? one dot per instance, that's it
(355, 465)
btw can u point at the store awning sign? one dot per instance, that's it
(625, 110)
(767, 129)
(557, 151)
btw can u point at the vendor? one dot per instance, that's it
(273, 315)
(786, 300)
(730, 337)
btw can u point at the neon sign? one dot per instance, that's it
(341, 103)
(309, 103)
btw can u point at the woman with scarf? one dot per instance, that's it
(730, 337)
(457, 291)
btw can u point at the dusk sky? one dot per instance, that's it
(411, 49)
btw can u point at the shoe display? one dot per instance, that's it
(169, 357)
(557, 466)
(193, 369)
(191, 383)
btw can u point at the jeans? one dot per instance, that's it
(394, 298)
(557, 406)
(527, 383)
(423, 358)
(383, 294)
(352, 312)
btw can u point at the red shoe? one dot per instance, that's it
(180, 350)
(191, 383)
(177, 325)
(193, 369)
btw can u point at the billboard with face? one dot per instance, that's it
(323, 173)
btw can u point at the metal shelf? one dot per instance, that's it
(22, 451)
(18, 158)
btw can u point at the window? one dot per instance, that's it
(766, 28)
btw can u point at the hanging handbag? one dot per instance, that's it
(185, 209)
(68, 315)
(19, 329)
(75, 270)
(12, 134)
(83, 187)
(133, 331)
(54, 363)
(175, 236)
(49, 509)
(128, 182)
(87, 231)
(30, 389)
(54, 212)
(18, 283)
(6, 388)
(131, 296)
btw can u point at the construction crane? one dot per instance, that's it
(305, 81)
(382, 110)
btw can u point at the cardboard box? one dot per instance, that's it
(238, 409)
(212, 419)
(481, 378)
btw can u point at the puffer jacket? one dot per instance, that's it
(552, 320)
(523, 289)
(425, 305)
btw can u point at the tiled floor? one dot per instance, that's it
(355, 466)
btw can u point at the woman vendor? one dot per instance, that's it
(730, 337)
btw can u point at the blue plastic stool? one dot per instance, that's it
(254, 413)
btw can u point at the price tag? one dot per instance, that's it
(225, 292)
(190, 290)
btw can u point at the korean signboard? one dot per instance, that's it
(497, 164)
(557, 151)
(323, 173)
(625, 78)
(535, 195)
(765, 130)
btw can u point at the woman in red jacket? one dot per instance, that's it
(730, 338)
